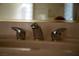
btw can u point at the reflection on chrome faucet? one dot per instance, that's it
(37, 32)
(57, 35)
(20, 33)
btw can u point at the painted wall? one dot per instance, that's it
(41, 11)
(56, 9)
(51, 10)
(76, 8)
(15, 11)
(9, 11)
(46, 11)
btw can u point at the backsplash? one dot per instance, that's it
(47, 27)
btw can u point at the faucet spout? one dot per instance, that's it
(37, 32)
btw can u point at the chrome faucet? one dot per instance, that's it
(57, 35)
(20, 33)
(37, 32)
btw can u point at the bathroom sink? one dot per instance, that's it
(34, 48)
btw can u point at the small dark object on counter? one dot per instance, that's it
(59, 18)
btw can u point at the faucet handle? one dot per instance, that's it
(20, 33)
(57, 35)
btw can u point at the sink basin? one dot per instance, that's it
(40, 48)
